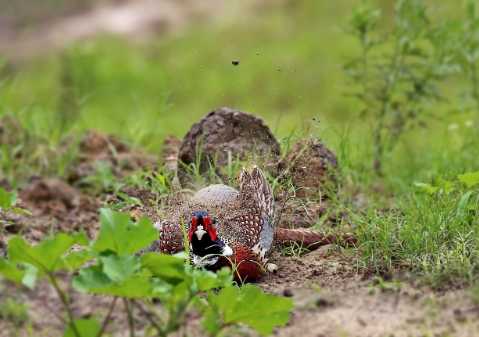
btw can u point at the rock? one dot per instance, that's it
(223, 136)
(312, 169)
(288, 292)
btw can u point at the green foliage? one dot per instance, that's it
(102, 179)
(121, 235)
(13, 311)
(46, 256)
(396, 74)
(7, 199)
(434, 232)
(470, 179)
(115, 269)
(246, 305)
(86, 328)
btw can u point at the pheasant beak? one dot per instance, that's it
(200, 232)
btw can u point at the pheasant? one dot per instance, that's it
(229, 227)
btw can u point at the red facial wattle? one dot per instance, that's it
(193, 227)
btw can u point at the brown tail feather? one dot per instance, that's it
(311, 239)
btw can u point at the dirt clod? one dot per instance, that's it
(311, 166)
(223, 136)
(51, 193)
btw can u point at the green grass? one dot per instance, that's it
(290, 72)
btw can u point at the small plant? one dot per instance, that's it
(103, 179)
(458, 42)
(379, 284)
(116, 270)
(8, 202)
(14, 311)
(395, 75)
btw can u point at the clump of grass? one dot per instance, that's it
(434, 232)
(14, 311)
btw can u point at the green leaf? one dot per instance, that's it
(211, 322)
(120, 268)
(462, 206)
(427, 188)
(168, 267)
(251, 306)
(86, 328)
(470, 179)
(94, 280)
(7, 199)
(47, 255)
(10, 271)
(204, 280)
(75, 260)
(121, 235)
(30, 276)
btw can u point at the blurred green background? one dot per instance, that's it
(291, 56)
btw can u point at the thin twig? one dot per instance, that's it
(151, 317)
(63, 298)
(131, 322)
(107, 318)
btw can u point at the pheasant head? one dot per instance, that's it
(206, 246)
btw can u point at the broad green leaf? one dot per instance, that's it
(121, 235)
(427, 188)
(47, 255)
(470, 179)
(249, 305)
(94, 280)
(120, 268)
(86, 328)
(446, 185)
(211, 321)
(10, 271)
(7, 199)
(30, 276)
(204, 280)
(75, 260)
(179, 296)
(167, 267)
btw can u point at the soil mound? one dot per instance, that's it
(223, 136)
(312, 169)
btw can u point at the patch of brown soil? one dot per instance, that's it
(98, 148)
(54, 206)
(333, 300)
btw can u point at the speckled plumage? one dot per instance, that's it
(244, 219)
